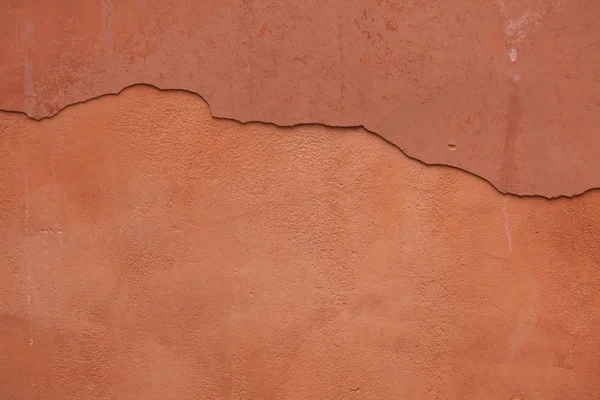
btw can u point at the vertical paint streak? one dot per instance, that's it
(108, 36)
(26, 182)
(29, 323)
(26, 202)
(28, 267)
(507, 226)
(28, 86)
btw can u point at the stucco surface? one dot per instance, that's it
(150, 251)
(507, 90)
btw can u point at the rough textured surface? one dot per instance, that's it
(152, 252)
(507, 90)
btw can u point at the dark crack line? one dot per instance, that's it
(301, 124)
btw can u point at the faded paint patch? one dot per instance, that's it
(399, 77)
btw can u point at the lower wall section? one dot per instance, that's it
(152, 252)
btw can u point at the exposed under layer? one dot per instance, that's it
(151, 251)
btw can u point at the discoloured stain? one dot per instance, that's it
(106, 15)
(518, 28)
(525, 324)
(171, 255)
(412, 74)
(28, 29)
(511, 136)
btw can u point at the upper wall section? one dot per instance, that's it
(507, 90)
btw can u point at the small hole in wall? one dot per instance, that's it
(451, 147)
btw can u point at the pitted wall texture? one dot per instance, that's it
(150, 251)
(506, 89)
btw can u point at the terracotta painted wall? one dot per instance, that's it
(393, 241)
(505, 89)
(150, 251)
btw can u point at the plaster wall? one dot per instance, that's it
(150, 251)
(505, 89)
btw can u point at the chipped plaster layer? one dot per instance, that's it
(507, 90)
(150, 251)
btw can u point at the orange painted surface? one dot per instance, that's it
(150, 251)
(505, 89)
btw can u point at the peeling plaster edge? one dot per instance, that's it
(116, 93)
